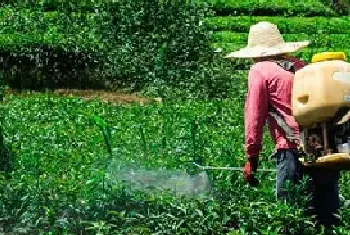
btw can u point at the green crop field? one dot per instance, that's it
(61, 159)
(271, 8)
(287, 25)
(81, 166)
(21, 27)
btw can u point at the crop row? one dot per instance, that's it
(317, 40)
(15, 42)
(166, 129)
(271, 8)
(26, 20)
(287, 25)
(12, 13)
(26, 27)
(222, 7)
(61, 159)
(49, 5)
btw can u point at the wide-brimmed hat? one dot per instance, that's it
(265, 39)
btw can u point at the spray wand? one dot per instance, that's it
(229, 168)
(199, 160)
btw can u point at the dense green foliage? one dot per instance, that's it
(123, 44)
(51, 49)
(162, 48)
(318, 41)
(272, 8)
(160, 44)
(57, 185)
(286, 25)
(57, 176)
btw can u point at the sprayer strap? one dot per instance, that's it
(285, 127)
(288, 66)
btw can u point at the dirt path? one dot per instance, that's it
(114, 98)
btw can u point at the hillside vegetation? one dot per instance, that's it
(76, 166)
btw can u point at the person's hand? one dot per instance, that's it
(250, 168)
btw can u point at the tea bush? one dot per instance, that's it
(272, 8)
(291, 25)
(38, 50)
(160, 44)
(317, 40)
(7, 158)
(161, 47)
(58, 177)
(64, 182)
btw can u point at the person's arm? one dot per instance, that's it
(256, 110)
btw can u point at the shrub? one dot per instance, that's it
(6, 154)
(159, 47)
(158, 43)
(51, 50)
(271, 8)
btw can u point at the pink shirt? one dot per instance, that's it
(268, 83)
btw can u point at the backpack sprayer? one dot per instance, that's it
(321, 107)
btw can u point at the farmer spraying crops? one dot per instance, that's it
(270, 83)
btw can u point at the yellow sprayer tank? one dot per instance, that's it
(321, 88)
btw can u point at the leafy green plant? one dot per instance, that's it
(271, 8)
(63, 181)
(317, 40)
(290, 25)
(161, 47)
(59, 183)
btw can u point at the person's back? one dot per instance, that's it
(270, 85)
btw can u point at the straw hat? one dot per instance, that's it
(265, 39)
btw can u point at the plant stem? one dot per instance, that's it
(143, 140)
